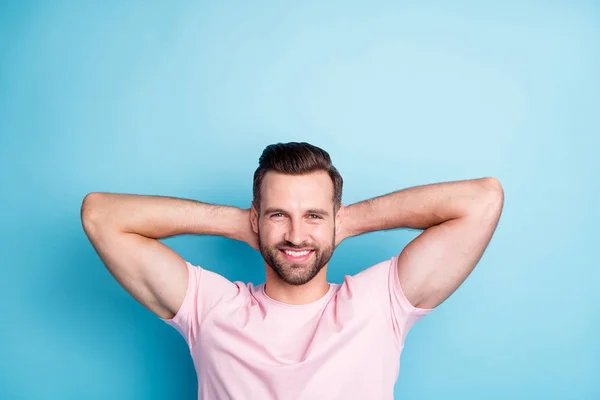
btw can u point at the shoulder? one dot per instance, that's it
(377, 275)
(381, 283)
(207, 289)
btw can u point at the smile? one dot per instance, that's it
(297, 256)
(297, 253)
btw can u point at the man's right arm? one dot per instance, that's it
(124, 230)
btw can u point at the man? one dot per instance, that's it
(296, 336)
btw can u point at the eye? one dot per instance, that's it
(315, 216)
(277, 215)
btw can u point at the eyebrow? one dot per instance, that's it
(318, 211)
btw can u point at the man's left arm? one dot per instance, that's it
(458, 219)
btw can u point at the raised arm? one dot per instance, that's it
(124, 230)
(459, 219)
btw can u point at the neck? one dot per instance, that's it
(310, 292)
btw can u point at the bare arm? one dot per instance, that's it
(459, 219)
(124, 230)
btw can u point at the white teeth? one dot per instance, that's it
(297, 253)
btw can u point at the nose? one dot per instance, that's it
(296, 234)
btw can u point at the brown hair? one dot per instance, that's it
(296, 158)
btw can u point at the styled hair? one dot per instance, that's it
(296, 158)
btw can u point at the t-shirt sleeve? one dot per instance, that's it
(205, 290)
(381, 286)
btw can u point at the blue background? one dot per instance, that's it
(179, 99)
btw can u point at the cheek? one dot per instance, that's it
(323, 234)
(269, 234)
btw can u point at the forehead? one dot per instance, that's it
(297, 192)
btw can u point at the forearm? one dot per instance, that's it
(161, 217)
(421, 207)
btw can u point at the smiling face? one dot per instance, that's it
(296, 225)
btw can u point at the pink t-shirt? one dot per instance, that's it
(346, 345)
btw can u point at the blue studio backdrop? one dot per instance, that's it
(180, 98)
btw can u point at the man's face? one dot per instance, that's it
(296, 226)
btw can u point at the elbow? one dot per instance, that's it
(89, 203)
(493, 195)
(91, 209)
(493, 187)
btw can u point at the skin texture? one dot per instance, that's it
(296, 213)
(458, 220)
(125, 229)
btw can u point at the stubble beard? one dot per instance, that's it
(295, 273)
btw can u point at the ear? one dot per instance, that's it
(254, 218)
